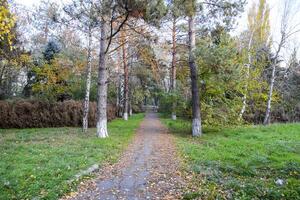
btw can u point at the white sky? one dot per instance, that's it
(276, 9)
(27, 2)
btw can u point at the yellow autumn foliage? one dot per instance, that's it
(53, 78)
(7, 22)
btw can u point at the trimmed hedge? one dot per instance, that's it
(39, 114)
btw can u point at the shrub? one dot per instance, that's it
(37, 114)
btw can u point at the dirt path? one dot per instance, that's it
(149, 169)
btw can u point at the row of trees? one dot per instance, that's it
(178, 54)
(238, 74)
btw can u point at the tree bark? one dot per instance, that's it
(268, 110)
(130, 111)
(196, 125)
(102, 86)
(272, 81)
(119, 85)
(88, 84)
(173, 77)
(247, 75)
(125, 65)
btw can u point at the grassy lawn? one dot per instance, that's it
(37, 163)
(242, 163)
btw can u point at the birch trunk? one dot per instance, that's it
(173, 78)
(125, 115)
(247, 75)
(102, 86)
(272, 81)
(268, 110)
(196, 125)
(88, 84)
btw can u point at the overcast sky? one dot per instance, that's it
(276, 10)
(276, 7)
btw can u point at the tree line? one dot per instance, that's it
(177, 54)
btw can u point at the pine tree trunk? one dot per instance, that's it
(196, 125)
(102, 86)
(119, 85)
(86, 102)
(125, 115)
(173, 78)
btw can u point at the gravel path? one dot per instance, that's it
(148, 169)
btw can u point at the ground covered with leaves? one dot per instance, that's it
(39, 163)
(149, 169)
(253, 162)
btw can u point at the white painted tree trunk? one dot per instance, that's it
(174, 117)
(102, 86)
(247, 76)
(86, 102)
(196, 125)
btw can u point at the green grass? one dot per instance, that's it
(37, 163)
(241, 163)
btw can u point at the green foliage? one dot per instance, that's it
(144, 82)
(37, 163)
(77, 88)
(11, 64)
(287, 83)
(51, 50)
(258, 54)
(242, 163)
(189, 7)
(154, 11)
(183, 107)
(59, 75)
(13, 58)
(220, 68)
(214, 12)
(52, 80)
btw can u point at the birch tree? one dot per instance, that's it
(126, 77)
(86, 101)
(259, 29)
(286, 31)
(83, 13)
(248, 66)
